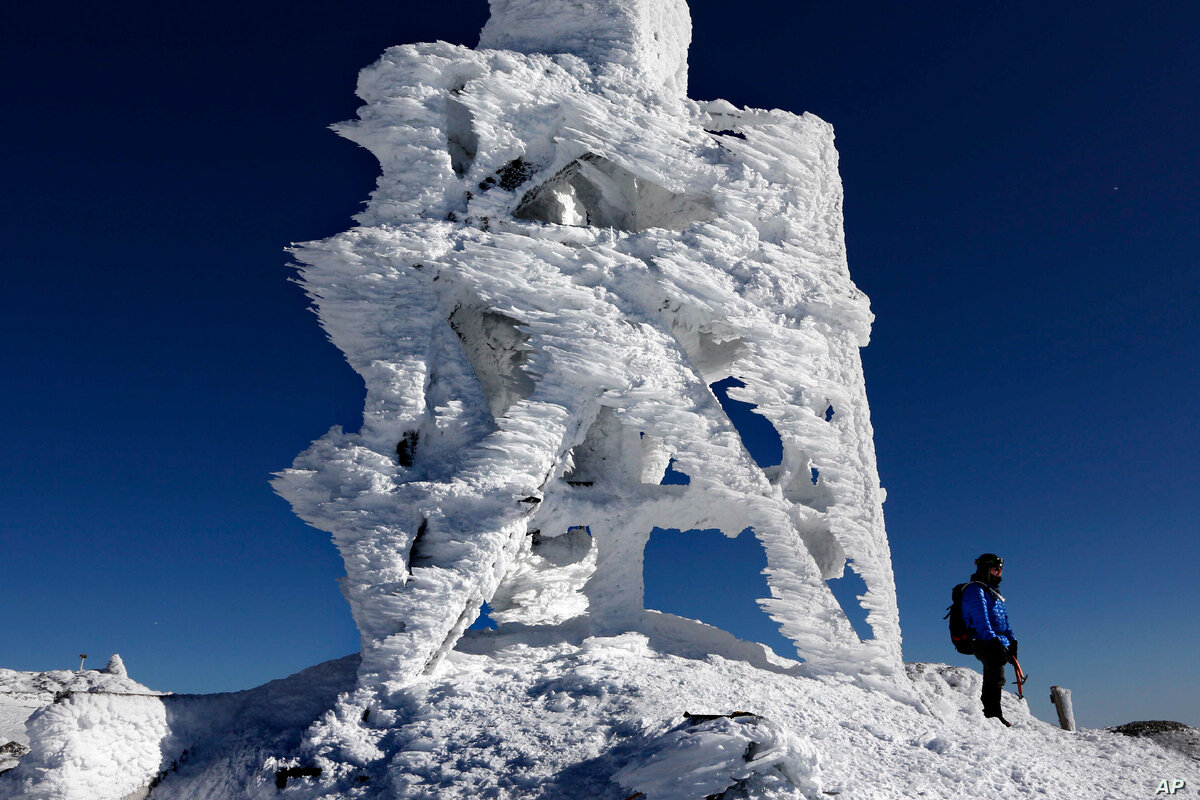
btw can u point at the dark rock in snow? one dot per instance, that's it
(1172, 735)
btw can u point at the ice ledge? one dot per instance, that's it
(648, 38)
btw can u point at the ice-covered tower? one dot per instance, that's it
(562, 255)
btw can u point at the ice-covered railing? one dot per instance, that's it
(562, 254)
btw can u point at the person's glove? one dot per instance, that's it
(1012, 648)
(996, 649)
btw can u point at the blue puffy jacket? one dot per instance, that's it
(983, 610)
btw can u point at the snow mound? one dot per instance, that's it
(105, 745)
(735, 755)
(93, 745)
(62, 681)
(24, 693)
(116, 666)
(552, 713)
(91, 720)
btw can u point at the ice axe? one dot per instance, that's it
(1021, 676)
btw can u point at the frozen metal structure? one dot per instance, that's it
(562, 255)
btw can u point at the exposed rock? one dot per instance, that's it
(1172, 735)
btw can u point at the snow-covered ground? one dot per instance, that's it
(557, 713)
(23, 693)
(94, 735)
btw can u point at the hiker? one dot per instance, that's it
(992, 640)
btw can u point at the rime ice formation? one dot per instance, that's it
(77, 734)
(562, 255)
(632, 40)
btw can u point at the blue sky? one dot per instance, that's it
(1022, 206)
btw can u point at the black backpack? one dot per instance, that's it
(960, 634)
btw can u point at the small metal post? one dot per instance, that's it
(1062, 702)
(82, 658)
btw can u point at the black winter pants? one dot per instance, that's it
(994, 656)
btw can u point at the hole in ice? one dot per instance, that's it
(673, 477)
(829, 413)
(808, 490)
(461, 140)
(605, 453)
(569, 548)
(544, 586)
(496, 347)
(594, 191)
(484, 621)
(710, 348)
(734, 134)
(406, 448)
(847, 590)
(705, 575)
(416, 555)
(759, 436)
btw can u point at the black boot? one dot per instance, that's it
(991, 704)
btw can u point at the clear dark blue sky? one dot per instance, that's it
(1022, 206)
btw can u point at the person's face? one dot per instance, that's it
(996, 571)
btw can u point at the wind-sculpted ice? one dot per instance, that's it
(562, 255)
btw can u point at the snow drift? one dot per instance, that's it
(552, 713)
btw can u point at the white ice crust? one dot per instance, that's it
(92, 733)
(551, 714)
(561, 255)
(632, 40)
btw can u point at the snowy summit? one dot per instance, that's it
(562, 256)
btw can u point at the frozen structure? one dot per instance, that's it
(562, 255)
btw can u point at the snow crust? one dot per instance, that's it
(45, 685)
(706, 755)
(89, 733)
(110, 740)
(555, 712)
(23, 693)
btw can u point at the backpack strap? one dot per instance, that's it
(991, 589)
